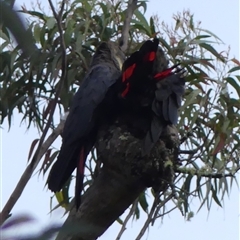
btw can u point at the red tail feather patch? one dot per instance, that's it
(128, 72)
(124, 93)
(81, 162)
(161, 75)
(150, 57)
(167, 72)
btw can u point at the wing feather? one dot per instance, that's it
(80, 122)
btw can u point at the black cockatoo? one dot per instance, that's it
(89, 109)
(152, 90)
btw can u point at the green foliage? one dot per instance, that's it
(210, 114)
(29, 84)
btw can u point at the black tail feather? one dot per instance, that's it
(79, 177)
(153, 135)
(62, 168)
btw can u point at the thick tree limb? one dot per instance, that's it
(125, 174)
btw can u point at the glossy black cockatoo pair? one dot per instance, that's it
(115, 89)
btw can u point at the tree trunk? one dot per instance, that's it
(124, 175)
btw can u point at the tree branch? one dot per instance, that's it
(193, 171)
(123, 41)
(149, 218)
(123, 228)
(152, 211)
(157, 215)
(28, 173)
(161, 215)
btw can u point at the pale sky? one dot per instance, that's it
(219, 16)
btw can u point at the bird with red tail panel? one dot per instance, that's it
(153, 90)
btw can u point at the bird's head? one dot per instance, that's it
(109, 52)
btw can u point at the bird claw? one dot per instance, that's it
(179, 70)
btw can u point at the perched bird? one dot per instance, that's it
(89, 109)
(151, 91)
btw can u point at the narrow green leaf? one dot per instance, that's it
(35, 14)
(87, 6)
(209, 32)
(191, 23)
(186, 189)
(32, 148)
(120, 221)
(3, 36)
(177, 25)
(137, 212)
(199, 187)
(202, 36)
(139, 26)
(191, 98)
(50, 22)
(117, 6)
(142, 21)
(234, 84)
(212, 50)
(143, 4)
(152, 26)
(234, 69)
(165, 44)
(37, 32)
(2, 46)
(45, 165)
(214, 195)
(104, 9)
(143, 202)
(206, 198)
(225, 188)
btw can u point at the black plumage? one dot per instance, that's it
(152, 92)
(144, 96)
(89, 109)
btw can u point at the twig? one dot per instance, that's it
(63, 77)
(161, 215)
(147, 222)
(187, 152)
(123, 41)
(123, 228)
(208, 175)
(157, 209)
(150, 215)
(36, 158)
(188, 134)
(28, 173)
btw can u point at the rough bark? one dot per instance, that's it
(124, 175)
